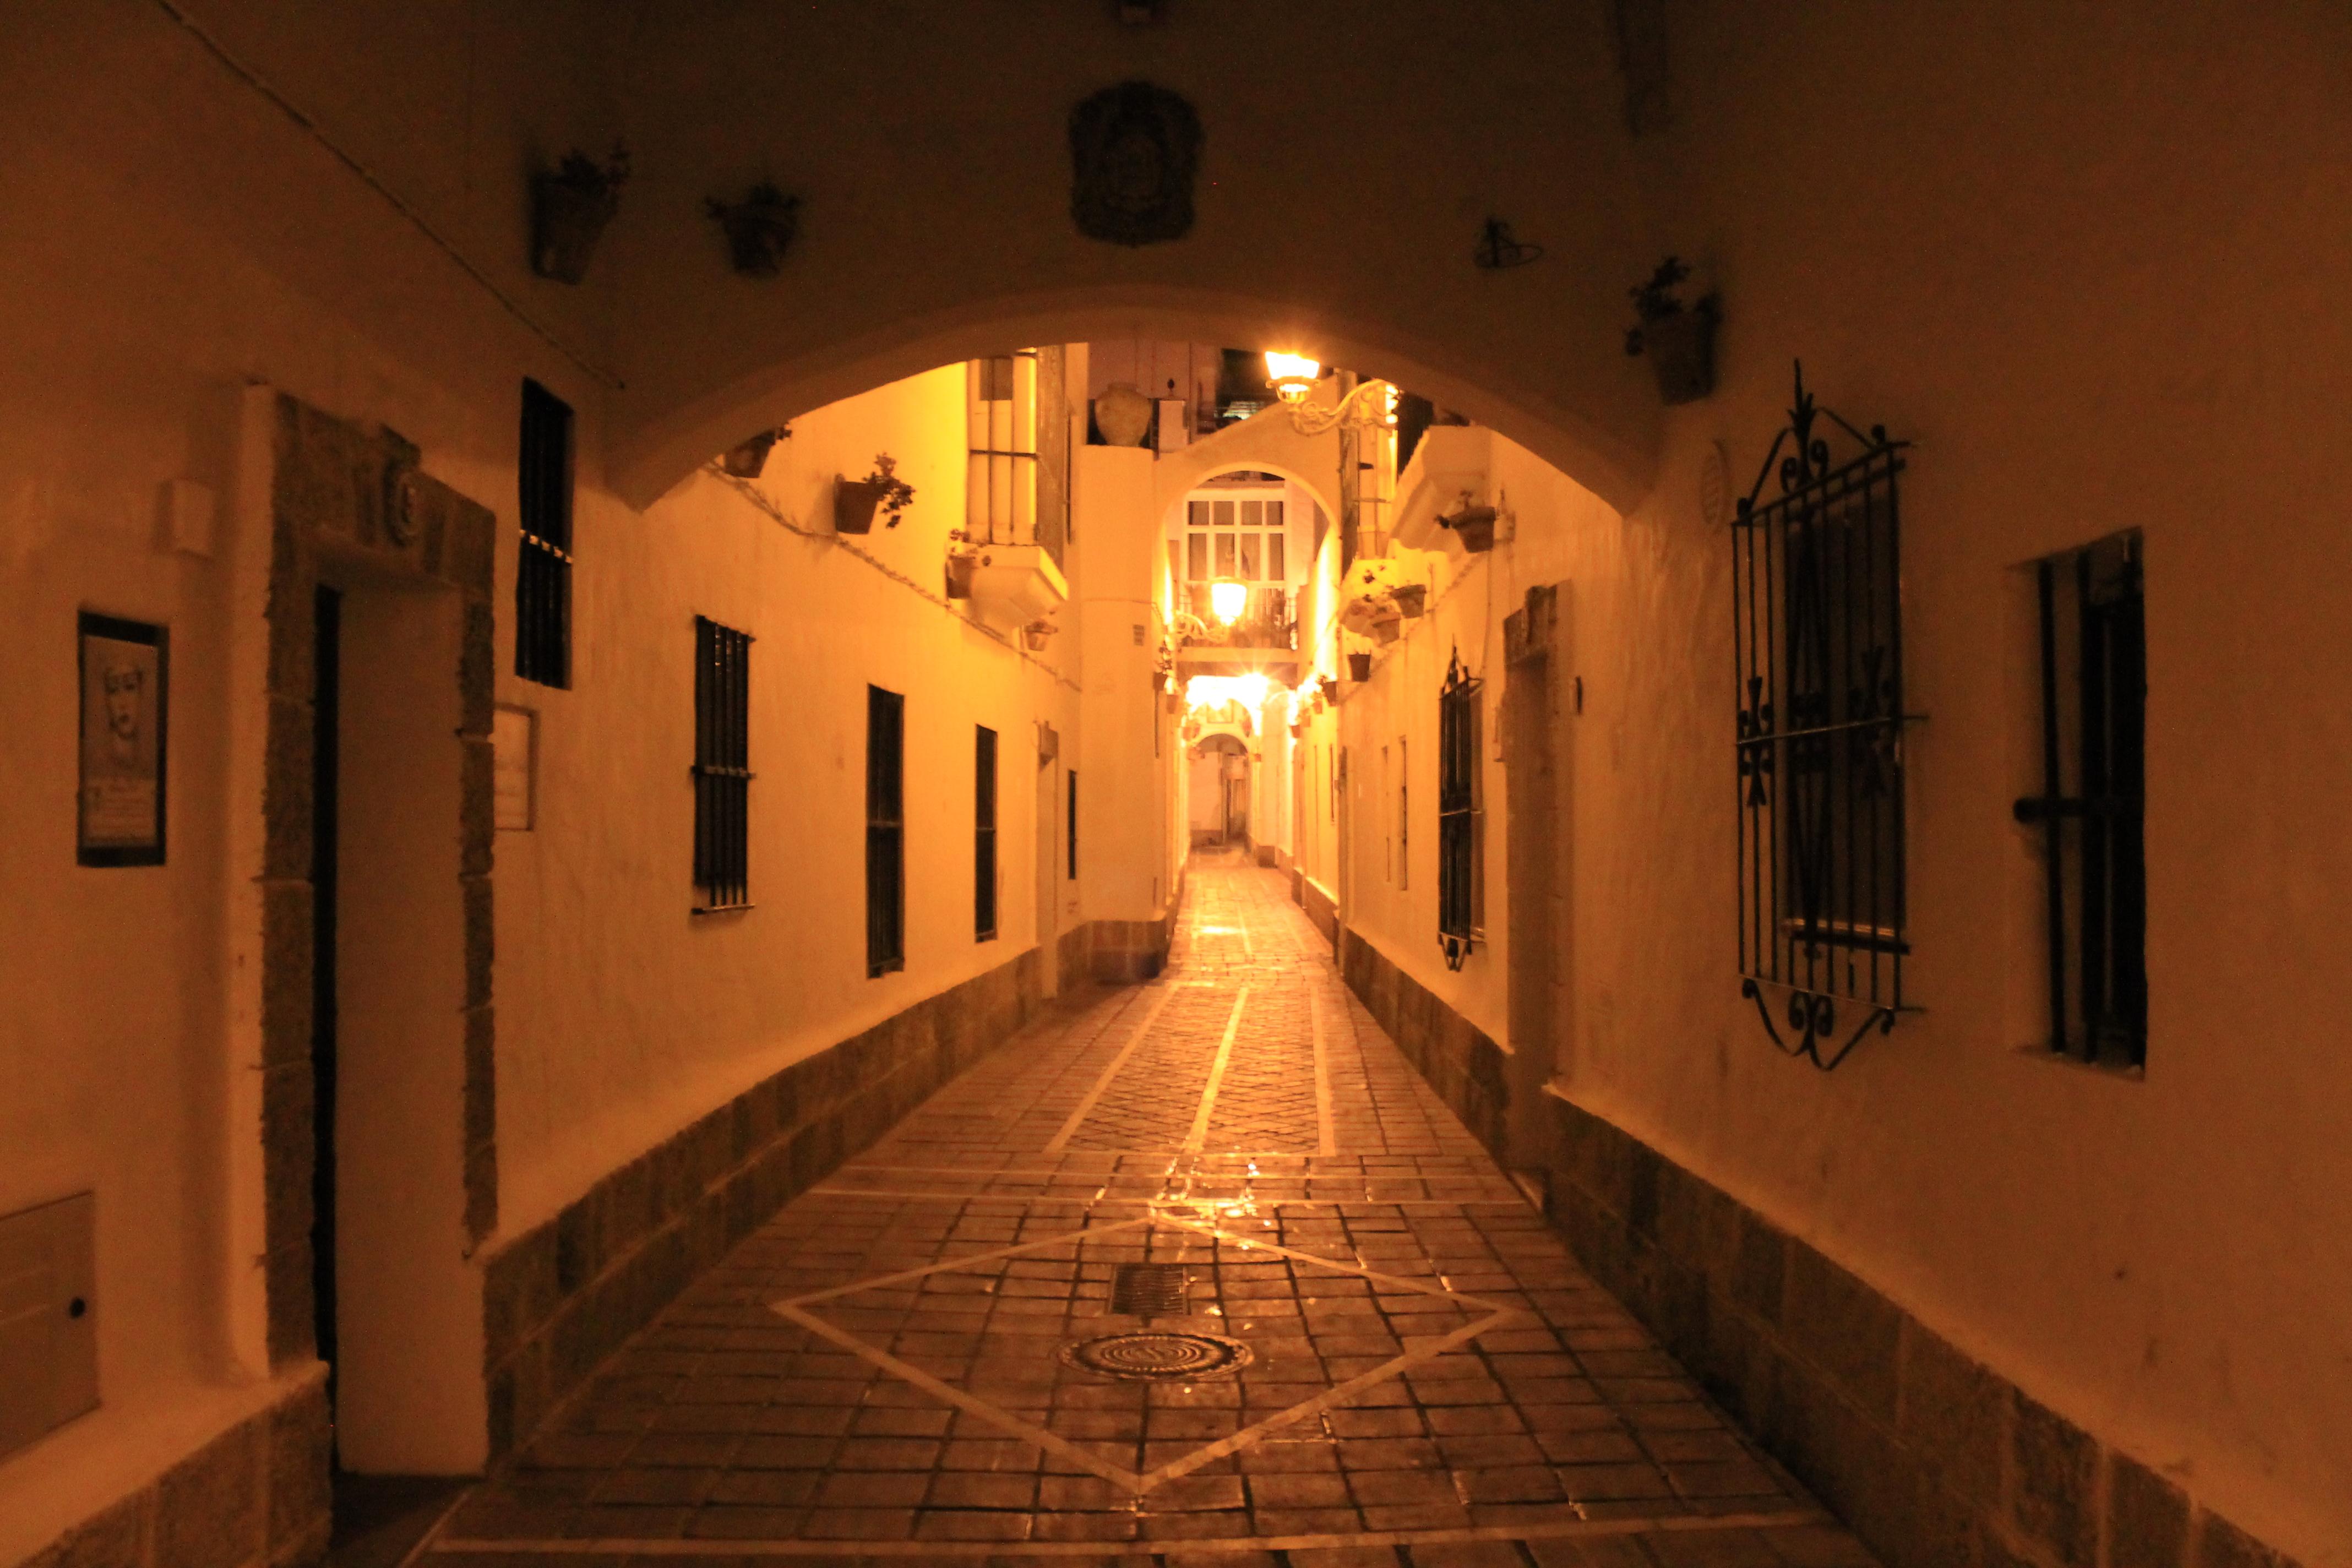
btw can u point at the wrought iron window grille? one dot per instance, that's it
(885, 832)
(722, 766)
(1458, 813)
(2095, 837)
(1818, 645)
(543, 564)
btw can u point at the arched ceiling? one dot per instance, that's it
(1345, 175)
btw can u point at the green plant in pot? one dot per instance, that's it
(1679, 340)
(569, 206)
(854, 501)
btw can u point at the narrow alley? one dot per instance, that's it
(1193, 1267)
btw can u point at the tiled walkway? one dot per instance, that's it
(886, 1371)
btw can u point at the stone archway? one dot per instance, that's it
(1608, 446)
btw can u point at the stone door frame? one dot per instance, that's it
(356, 489)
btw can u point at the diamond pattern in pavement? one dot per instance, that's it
(877, 1373)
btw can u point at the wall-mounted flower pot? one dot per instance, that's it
(853, 501)
(959, 569)
(1681, 350)
(1330, 689)
(759, 229)
(1387, 630)
(1035, 635)
(1174, 702)
(1360, 667)
(745, 459)
(1412, 600)
(1474, 527)
(568, 220)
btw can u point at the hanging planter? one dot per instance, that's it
(1360, 667)
(1474, 526)
(1680, 342)
(854, 501)
(569, 206)
(1412, 600)
(746, 459)
(759, 228)
(960, 564)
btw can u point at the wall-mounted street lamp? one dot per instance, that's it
(1227, 601)
(1293, 378)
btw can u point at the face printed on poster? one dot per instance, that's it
(121, 738)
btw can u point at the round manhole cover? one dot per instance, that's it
(1158, 1357)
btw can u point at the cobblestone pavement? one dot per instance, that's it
(1391, 1361)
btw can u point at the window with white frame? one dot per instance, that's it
(1001, 491)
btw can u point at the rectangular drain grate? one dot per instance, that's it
(1149, 1290)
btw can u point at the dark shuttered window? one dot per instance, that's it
(885, 831)
(722, 765)
(543, 569)
(983, 833)
(2090, 811)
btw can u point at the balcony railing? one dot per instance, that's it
(1264, 623)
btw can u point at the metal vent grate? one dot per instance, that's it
(1149, 1290)
(1158, 1358)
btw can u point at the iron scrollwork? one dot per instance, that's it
(1818, 735)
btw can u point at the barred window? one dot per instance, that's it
(722, 765)
(543, 568)
(983, 833)
(885, 832)
(2091, 808)
(1458, 878)
(1817, 634)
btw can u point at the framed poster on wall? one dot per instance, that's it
(125, 670)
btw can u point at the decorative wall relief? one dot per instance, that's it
(1134, 150)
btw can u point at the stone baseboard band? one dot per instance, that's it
(1933, 1459)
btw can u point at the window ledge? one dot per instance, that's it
(2119, 1072)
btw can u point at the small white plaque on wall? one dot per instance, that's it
(514, 773)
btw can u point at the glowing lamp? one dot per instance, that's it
(1228, 600)
(1292, 376)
